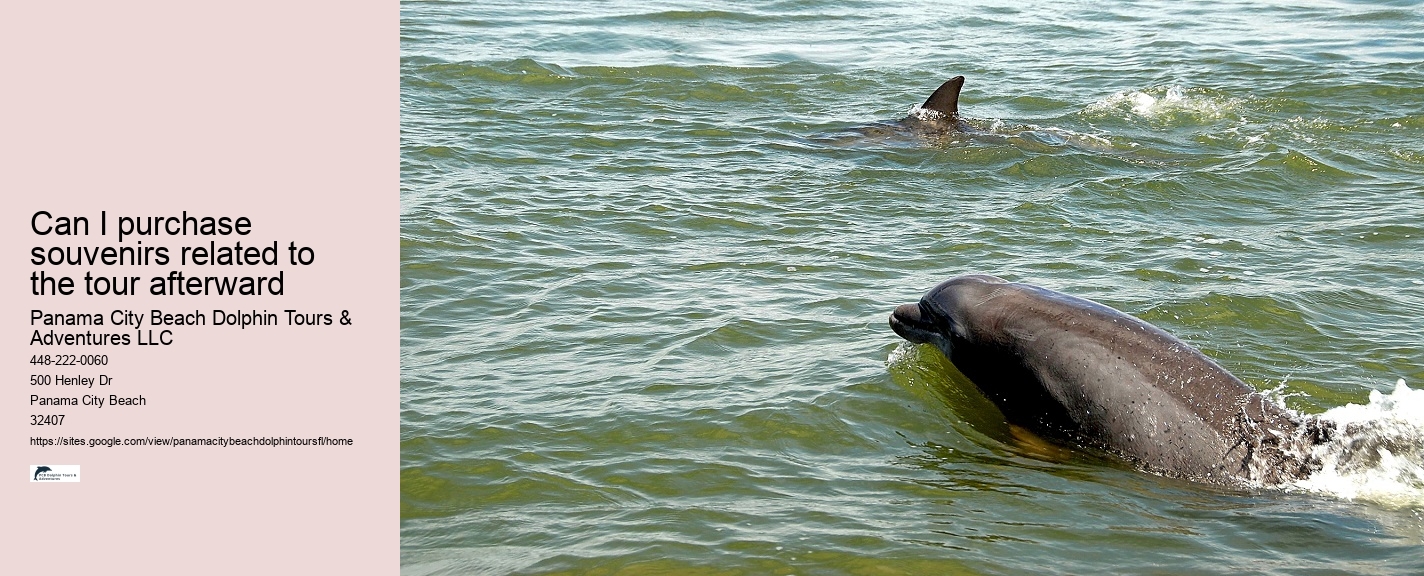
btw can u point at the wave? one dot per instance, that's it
(1377, 453)
(1173, 104)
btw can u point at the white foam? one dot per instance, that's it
(1377, 453)
(1170, 100)
(900, 355)
(926, 114)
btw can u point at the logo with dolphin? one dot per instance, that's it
(54, 473)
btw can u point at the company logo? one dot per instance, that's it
(54, 473)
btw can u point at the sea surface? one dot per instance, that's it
(649, 250)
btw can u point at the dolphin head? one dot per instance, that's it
(944, 315)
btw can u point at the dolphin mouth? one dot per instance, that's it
(909, 321)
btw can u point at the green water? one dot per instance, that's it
(649, 251)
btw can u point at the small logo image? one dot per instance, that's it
(54, 473)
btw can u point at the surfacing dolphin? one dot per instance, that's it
(940, 112)
(936, 118)
(1080, 372)
(938, 122)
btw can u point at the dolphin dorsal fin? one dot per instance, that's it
(945, 100)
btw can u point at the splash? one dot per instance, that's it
(902, 354)
(1144, 104)
(1169, 103)
(1377, 453)
(926, 115)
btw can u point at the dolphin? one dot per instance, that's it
(935, 119)
(1082, 373)
(937, 122)
(940, 112)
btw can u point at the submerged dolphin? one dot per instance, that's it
(1078, 371)
(937, 122)
(937, 117)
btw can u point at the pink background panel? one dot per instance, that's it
(284, 112)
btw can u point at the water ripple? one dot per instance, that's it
(647, 255)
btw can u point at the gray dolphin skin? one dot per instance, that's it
(1080, 372)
